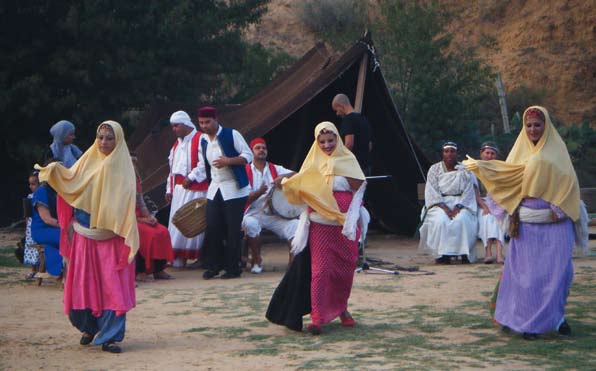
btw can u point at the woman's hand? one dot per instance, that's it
(354, 183)
(47, 218)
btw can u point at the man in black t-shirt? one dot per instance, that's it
(355, 130)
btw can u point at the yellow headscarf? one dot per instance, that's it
(103, 186)
(542, 171)
(313, 184)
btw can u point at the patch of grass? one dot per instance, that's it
(183, 313)
(232, 332)
(378, 288)
(197, 329)
(8, 258)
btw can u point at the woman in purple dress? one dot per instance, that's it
(536, 192)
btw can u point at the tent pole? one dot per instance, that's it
(361, 83)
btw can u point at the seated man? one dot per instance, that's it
(262, 175)
(450, 225)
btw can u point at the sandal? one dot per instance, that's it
(30, 275)
(346, 319)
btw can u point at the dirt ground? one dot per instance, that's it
(188, 323)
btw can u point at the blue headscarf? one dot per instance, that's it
(67, 154)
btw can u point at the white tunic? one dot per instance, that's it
(256, 217)
(180, 164)
(439, 234)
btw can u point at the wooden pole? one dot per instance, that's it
(503, 104)
(361, 83)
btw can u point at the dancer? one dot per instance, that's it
(537, 192)
(100, 282)
(332, 184)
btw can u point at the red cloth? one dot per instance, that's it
(187, 254)
(154, 243)
(95, 280)
(64, 212)
(334, 259)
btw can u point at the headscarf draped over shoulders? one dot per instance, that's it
(542, 171)
(103, 186)
(313, 184)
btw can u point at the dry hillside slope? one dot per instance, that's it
(540, 44)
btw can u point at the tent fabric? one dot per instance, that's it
(285, 113)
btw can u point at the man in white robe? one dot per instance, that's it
(184, 159)
(450, 225)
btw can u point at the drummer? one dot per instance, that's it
(262, 175)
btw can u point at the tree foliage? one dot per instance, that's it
(87, 61)
(438, 88)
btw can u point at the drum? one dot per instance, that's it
(191, 218)
(279, 205)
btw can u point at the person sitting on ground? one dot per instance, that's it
(45, 229)
(450, 226)
(262, 175)
(489, 230)
(155, 245)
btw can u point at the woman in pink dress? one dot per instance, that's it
(103, 236)
(332, 184)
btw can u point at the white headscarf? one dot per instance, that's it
(181, 117)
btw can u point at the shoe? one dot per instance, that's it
(209, 274)
(346, 319)
(256, 269)
(565, 329)
(195, 265)
(500, 261)
(86, 339)
(530, 336)
(162, 275)
(489, 260)
(444, 259)
(227, 276)
(314, 329)
(465, 260)
(111, 347)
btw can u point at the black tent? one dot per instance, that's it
(286, 112)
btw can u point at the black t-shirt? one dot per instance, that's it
(356, 124)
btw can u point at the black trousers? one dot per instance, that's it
(222, 249)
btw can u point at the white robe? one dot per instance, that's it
(180, 164)
(439, 234)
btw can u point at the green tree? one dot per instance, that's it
(438, 89)
(87, 61)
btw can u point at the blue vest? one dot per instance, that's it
(226, 141)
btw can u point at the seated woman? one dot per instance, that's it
(155, 245)
(489, 230)
(536, 192)
(30, 254)
(320, 277)
(100, 286)
(45, 229)
(62, 148)
(450, 226)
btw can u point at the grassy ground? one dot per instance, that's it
(403, 323)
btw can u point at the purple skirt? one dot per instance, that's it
(537, 275)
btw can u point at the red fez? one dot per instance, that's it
(207, 111)
(534, 113)
(256, 141)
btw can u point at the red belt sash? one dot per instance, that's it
(194, 186)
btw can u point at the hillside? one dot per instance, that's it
(541, 44)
